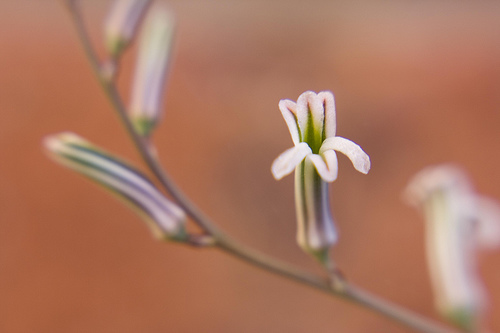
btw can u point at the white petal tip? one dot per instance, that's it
(327, 168)
(278, 171)
(55, 142)
(330, 179)
(433, 178)
(50, 143)
(284, 164)
(363, 164)
(360, 160)
(281, 168)
(286, 104)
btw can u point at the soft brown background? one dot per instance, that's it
(416, 83)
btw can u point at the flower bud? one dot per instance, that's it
(151, 69)
(121, 24)
(458, 223)
(316, 231)
(164, 217)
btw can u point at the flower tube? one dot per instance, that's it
(312, 125)
(458, 223)
(151, 70)
(165, 219)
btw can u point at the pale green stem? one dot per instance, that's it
(224, 242)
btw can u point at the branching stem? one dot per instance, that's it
(222, 241)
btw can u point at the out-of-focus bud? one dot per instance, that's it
(166, 220)
(151, 69)
(121, 24)
(458, 223)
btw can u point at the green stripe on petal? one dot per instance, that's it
(164, 217)
(316, 231)
(151, 70)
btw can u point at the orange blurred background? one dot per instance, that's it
(416, 83)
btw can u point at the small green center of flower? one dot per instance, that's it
(312, 133)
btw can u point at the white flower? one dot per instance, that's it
(458, 223)
(151, 70)
(312, 125)
(164, 217)
(121, 24)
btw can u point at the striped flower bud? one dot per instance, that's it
(151, 69)
(121, 24)
(312, 125)
(164, 218)
(458, 223)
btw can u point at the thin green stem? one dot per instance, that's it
(140, 143)
(392, 311)
(224, 242)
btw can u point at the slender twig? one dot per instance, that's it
(224, 242)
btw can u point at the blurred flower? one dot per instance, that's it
(121, 24)
(312, 125)
(151, 69)
(165, 218)
(458, 222)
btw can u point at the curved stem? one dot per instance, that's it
(392, 311)
(224, 242)
(140, 143)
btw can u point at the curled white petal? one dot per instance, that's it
(328, 102)
(288, 110)
(326, 165)
(432, 178)
(360, 160)
(285, 163)
(302, 111)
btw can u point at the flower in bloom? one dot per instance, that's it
(164, 217)
(151, 69)
(312, 125)
(121, 24)
(458, 223)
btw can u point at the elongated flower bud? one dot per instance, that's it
(151, 69)
(315, 226)
(458, 223)
(121, 24)
(165, 218)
